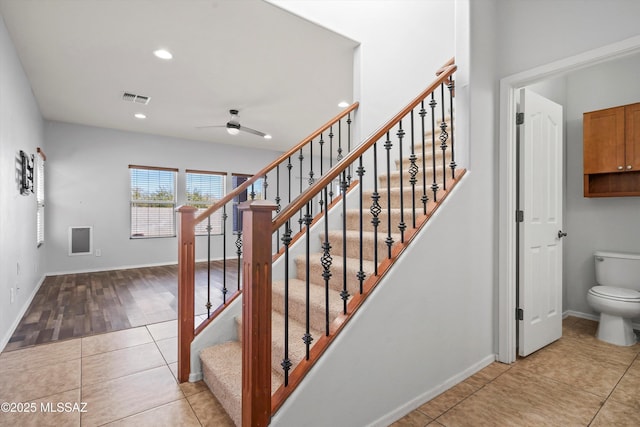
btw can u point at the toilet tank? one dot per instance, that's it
(618, 269)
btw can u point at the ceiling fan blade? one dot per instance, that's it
(253, 131)
(211, 126)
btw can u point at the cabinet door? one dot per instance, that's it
(632, 140)
(604, 141)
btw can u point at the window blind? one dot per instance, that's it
(152, 201)
(205, 188)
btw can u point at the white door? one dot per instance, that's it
(540, 238)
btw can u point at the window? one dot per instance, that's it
(153, 202)
(256, 190)
(40, 159)
(203, 190)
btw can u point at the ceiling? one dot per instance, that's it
(285, 74)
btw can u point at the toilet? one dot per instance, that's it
(617, 296)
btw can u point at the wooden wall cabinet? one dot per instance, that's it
(611, 140)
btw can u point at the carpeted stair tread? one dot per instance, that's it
(428, 159)
(222, 372)
(297, 302)
(394, 177)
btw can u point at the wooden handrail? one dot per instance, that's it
(238, 190)
(446, 64)
(300, 201)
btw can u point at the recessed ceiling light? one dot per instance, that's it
(267, 136)
(163, 54)
(139, 116)
(343, 104)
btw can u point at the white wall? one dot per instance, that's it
(609, 223)
(20, 129)
(88, 183)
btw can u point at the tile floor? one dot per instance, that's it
(127, 378)
(576, 381)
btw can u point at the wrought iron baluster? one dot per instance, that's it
(331, 159)
(326, 261)
(339, 156)
(208, 304)
(444, 136)
(424, 198)
(361, 274)
(344, 294)
(452, 165)
(265, 184)
(300, 217)
(307, 338)
(278, 208)
(413, 171)
(239, 253)
(349, 145)
(389, 240)
(434, 185)
(375, 207)
(224, 254)
(286, 362)
(321, 142)
(401, 226)
(289, 167)
(311, 174)
(253, 192)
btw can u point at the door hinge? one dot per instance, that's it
(519, 216)
(519, 314)
(519, 118)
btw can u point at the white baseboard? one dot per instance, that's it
(23, 310)
(590, 316)
(412, 405)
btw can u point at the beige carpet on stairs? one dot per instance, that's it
(222, 363)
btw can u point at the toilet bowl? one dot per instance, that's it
(617, 296)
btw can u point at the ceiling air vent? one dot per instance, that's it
(138, 99)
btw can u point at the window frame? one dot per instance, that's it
(149, 201)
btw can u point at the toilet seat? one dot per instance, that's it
(615, 294)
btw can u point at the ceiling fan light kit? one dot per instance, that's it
(233, 126)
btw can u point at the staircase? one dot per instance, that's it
(221, 363)
(320, 276)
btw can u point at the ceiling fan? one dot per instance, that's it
(233, 126)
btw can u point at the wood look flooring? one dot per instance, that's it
(78, 305)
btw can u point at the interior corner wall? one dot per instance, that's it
(21, 128)
(606, 223)
(88, 185)
(403, 43)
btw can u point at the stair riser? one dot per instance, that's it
(353, 246)
(395, 197)
(297, 311)
(406, 181)
(353, 221)
(336, 280)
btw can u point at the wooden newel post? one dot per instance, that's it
(256, 313)
(186, 284)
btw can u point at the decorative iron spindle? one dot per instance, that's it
(444, 136)
(344, 294)
(253, 192)
(278, 207)
(307, 338)
(361, 274)
(300, 218)
(326, 260)
(452, 164)
(331, 159)
(434, 185)
(339, 156)
(265, 184)
(424, 198)
(289, 167)
(311, 174)
(286, 362)
(375, 207)
(401, 226)
(389, 239)
(349, 145)
(413, 171)
(208, 304)
(239, 253)
(322, 196)
(224, 254)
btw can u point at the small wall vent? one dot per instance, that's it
(138, 99)
(80, 240)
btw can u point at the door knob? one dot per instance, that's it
(620, 167)
(629, 167)
(561, 234)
